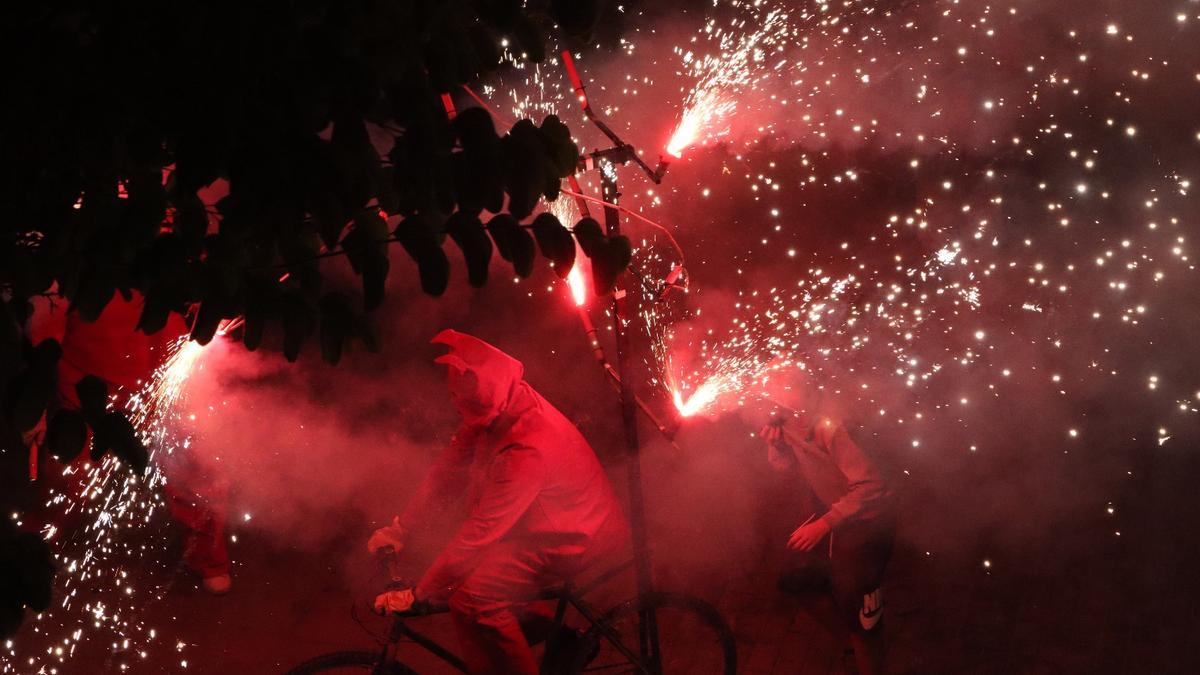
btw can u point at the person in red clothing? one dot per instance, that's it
(845, 543)
(111, 347)
(115, 350)
(541, 507)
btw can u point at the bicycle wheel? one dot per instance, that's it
(349, 663)
(693, 637)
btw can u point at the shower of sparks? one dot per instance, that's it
(114, 534)
(738, 65)
(817, 326)
(983, 288)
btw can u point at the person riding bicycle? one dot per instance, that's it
(845, 545)
(541, 507)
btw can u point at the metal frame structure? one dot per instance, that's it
(607, 160)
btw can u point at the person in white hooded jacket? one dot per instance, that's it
(540, 507)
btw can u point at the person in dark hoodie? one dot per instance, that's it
(541, 508)
(845, 543)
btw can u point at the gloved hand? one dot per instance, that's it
(390, 536)
(395, 601)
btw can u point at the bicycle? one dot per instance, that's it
(692, 638)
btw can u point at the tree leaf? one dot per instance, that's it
(300, 249)
(46, 355)
(114, 432)
(417, 237)
(590, 236)
(467, 231)
(513, 242)
(374, 278)
(31, 391)
(28, 401)
(367, 330)
(336, 319)
(66, 434)
(502, 227)
(260, 294)
(610, 260)
(299, 324)
(28, 576)
(93, 396)
(96, 289)
(528, 169)
(190, 221)
(563, 151)
(366, 238)
(155, 312)
(366, 248)
(476, 131)
(208, 319)
(35, 570)
(556, 243)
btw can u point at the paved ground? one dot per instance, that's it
(1053, 603)
(287, 606)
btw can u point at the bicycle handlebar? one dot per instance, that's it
(421, 609)
(389, 564)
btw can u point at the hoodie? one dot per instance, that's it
(527, 472)
(840, 474)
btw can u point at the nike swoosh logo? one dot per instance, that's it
(871, 610)
(868, 621)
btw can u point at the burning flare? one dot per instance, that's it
(703, 120)
(739, 66)
(704, 396)
(578, 284)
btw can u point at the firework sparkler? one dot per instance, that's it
(115, 535)
(738, 66)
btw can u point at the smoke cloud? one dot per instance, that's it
(937, 164)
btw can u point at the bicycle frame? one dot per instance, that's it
(402, 630)
(565, 596)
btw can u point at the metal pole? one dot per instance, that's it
(647, 624)
(667, 429)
